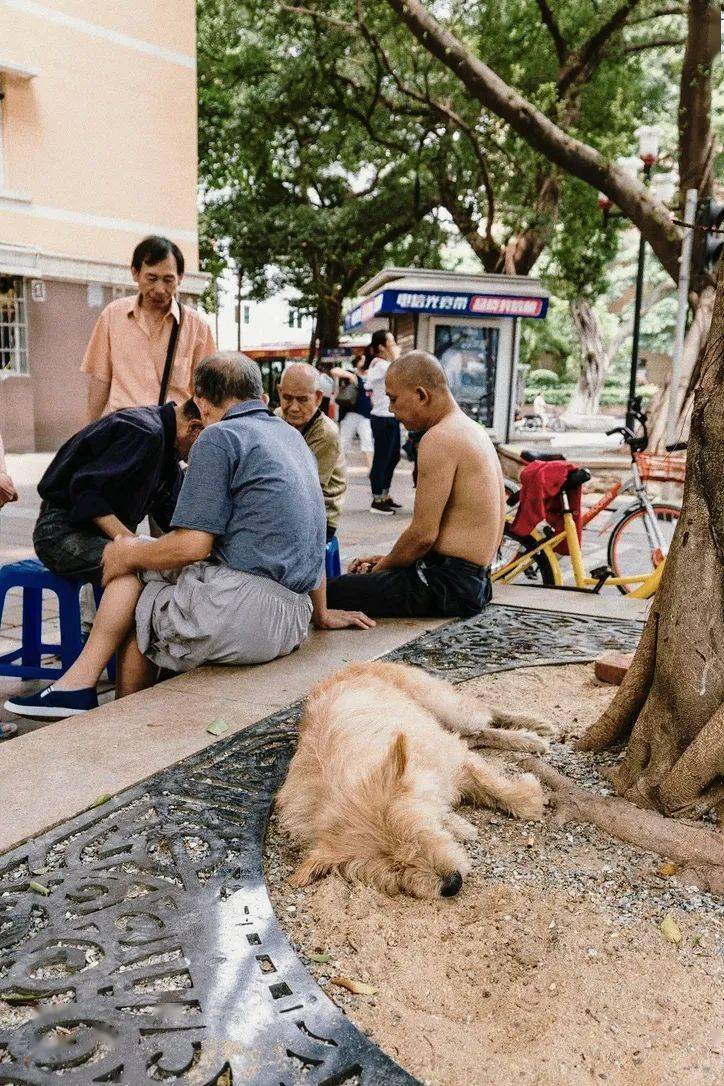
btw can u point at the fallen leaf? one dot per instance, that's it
(356, 987)
(668, 868)
(99, 801)
(321, 958)
(39, 888)
(218, 727)
(670, 930)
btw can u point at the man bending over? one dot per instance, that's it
(106, 479)
(440, 565)
(247, 540)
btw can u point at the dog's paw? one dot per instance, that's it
(530, 742)
(529, 800)
(542, 727)
(460, 828)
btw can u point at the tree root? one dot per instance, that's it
(616, 722)
(699, 765)
(700, 852)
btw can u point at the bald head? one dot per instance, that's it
(418, 369)
(299, 395)
(418, 390)
(298, 375)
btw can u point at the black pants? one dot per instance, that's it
(69, 550)
(435, 587)
(386, 434)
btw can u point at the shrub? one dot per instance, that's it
(542, 379)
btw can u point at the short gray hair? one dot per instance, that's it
(228, 375)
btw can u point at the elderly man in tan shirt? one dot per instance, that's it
(127, 352)
(300, 398)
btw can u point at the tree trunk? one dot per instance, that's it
(693, 347)
(594, 360)
(329, 319)
(670, 707)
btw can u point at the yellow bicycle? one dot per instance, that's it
(638, 543)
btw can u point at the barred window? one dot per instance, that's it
(13, 326)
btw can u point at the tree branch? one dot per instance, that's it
(438, 107)
(655, 43)
(544, 136)
(583, 60)
(659, 14)
(551, 24)
(310, 13)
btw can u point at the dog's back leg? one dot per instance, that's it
(503, 719)
(458, 713)
(488, 786)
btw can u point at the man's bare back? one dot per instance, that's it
(472, 522)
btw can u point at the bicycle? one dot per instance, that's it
(646, 521)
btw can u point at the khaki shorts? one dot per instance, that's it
(211, 614)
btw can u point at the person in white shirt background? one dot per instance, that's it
(385, 427)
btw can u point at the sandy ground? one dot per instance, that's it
(550, 966)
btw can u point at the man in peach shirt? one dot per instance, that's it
(128, 350)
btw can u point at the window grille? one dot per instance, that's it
(13, 326)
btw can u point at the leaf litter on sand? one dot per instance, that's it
(217, 727)
(670, 930)
(356, 987)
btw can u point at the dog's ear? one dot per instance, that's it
(314, 867)
(397, 758)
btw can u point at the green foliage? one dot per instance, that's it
(542, 379)
(295, 192)
(615, 393)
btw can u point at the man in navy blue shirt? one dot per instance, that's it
(241, 573)
(106, 479)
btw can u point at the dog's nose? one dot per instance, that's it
(451, 884)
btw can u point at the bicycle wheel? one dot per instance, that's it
(629, 550)
(538, 572)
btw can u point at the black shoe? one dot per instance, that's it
(392, 503)
(382, 509)
(50, 704)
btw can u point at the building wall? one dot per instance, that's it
(100, 146)
(99, 130)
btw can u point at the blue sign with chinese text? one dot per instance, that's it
(449, 302)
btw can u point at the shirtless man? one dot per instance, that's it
(440, 565)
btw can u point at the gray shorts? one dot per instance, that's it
(67, 549)
(210, 614)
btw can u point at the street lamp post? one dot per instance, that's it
(648, 137)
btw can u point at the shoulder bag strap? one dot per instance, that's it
(170, 353)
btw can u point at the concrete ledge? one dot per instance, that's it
(58, 771)
(592, 604)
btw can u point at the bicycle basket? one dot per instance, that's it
(662, 467)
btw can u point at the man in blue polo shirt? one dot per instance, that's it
(246, 550)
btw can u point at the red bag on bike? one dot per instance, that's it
(541, 483)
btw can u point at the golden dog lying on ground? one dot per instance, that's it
(380, 766)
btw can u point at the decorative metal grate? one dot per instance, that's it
(138, 943)
(13, 326)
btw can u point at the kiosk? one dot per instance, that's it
(470, 322)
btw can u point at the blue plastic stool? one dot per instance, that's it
(25, 662)
(332, 560)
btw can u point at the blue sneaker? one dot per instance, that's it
(50, 704)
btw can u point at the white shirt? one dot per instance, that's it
(374, 381)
